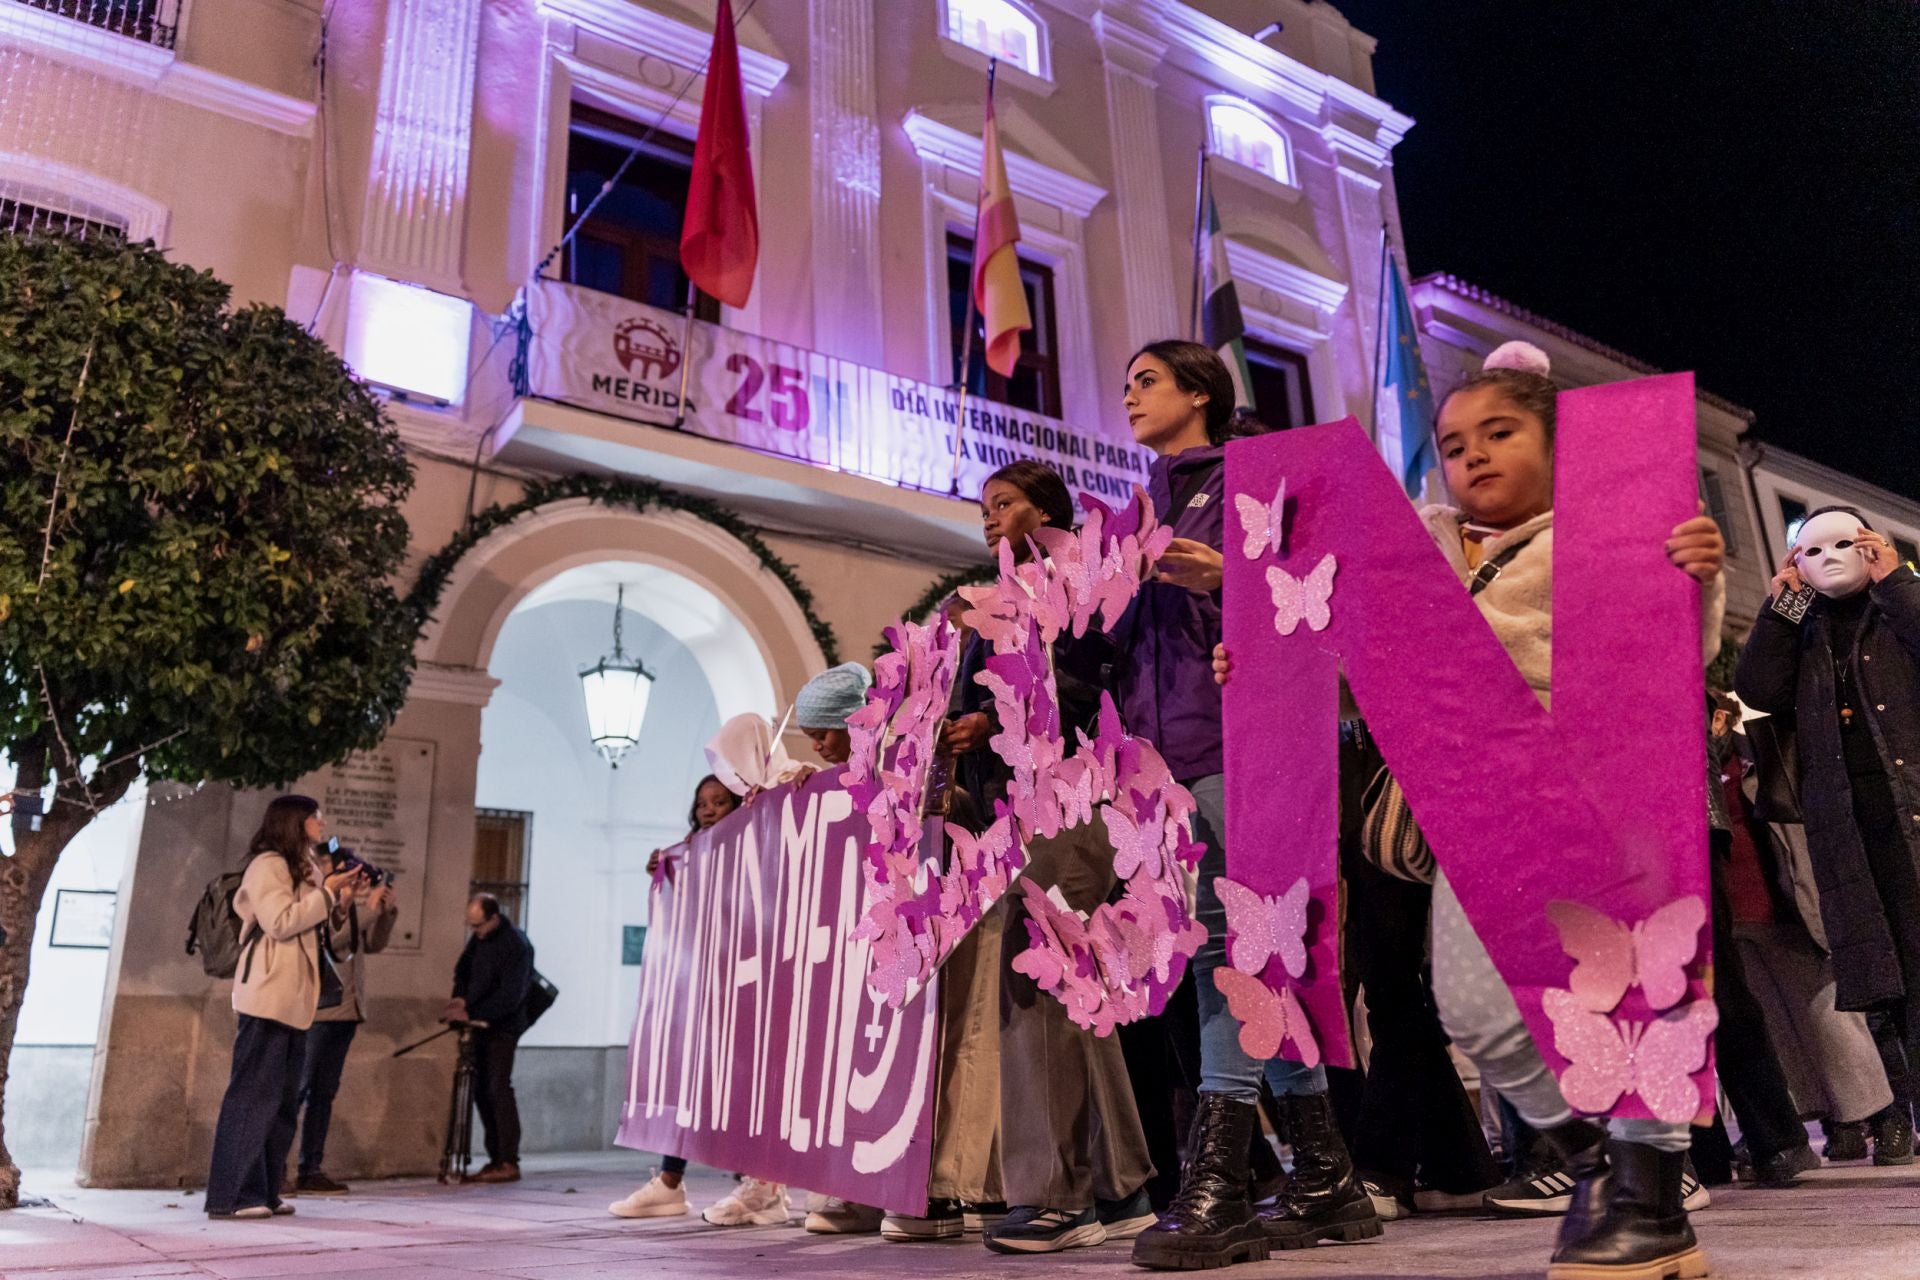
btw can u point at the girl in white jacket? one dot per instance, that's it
(275, 993)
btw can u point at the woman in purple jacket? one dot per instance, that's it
(1179, 401)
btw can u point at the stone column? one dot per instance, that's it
(166, 1030)
(848, 317)
(413, 223)
(1139, 180)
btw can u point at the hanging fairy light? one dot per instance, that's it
(616, 689)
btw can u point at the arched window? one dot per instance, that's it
(1237, 132)
(1001, 29)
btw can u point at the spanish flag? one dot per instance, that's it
(997, 291)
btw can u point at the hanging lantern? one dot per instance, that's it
(616, 689)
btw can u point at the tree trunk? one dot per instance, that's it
(23, 883)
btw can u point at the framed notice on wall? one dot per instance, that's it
(379, 804)
(83, 919)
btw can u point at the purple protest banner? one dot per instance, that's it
(756, 1046)
(1596, 809)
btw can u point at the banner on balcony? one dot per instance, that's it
(756, 1046)
(618, 357)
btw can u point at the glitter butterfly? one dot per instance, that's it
(1261, 928)
(1262, 524)
(1267, 1017)
(1308, 599)
(1610, 956)
(1139, 842)
(1608, 1059)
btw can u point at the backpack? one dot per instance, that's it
(540, 997)
(214, 930)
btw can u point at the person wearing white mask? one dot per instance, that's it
(1838, 649)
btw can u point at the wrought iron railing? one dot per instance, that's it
(154, 22)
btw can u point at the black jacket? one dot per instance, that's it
(493, 976)
(1788, 670)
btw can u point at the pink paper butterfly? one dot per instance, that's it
(1263, 524)
(1267, 1017)
(1297, 600)
(1610, 956)
(1260, 928)
(1654, 1059)
(1138, 843)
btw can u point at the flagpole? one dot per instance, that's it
(1379, 337)
(1199, 217)
(966, 339)
(686, 357)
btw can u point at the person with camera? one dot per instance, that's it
(491, 982)
(360, 929)
(282, 904)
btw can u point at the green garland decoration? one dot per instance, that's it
(974, 576)
(608, 491)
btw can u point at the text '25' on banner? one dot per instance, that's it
(756, 1045)
(623, 358)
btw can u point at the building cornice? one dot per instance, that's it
(957, 149)
(1127, 47)
(154, 69)
(668, 38)
(1224, 50)
(1286, 279)
(1473, 293)
(1795, 468)
(463, 686)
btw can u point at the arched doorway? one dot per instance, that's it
(562, 837)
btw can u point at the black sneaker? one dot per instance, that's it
(1542, 1189)
(1783, 1168)
(1846, 1139)
(319, 1184)
(1125, 1219)
(1030, 1229)
(1893, 1135)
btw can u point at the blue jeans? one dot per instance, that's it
(1224, 1066)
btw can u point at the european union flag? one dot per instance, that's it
(1404, 398)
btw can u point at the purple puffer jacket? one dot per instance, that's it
(1163, 671)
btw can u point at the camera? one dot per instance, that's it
(345, 859)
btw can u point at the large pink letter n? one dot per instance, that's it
(1598, 803)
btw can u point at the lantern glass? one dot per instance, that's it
(616, 691)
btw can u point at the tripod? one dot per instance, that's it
(457, 1153)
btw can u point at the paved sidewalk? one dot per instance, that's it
(1852, 1222)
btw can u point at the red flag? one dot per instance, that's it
(720, 240)
(997, 291)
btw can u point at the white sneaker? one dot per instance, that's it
(655, 1200)
(754, 1203)
(838, 1217)
(1693, 1196)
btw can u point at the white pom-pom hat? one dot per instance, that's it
(1523, 356)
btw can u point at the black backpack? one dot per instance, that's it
(214, 931)
(540, 997)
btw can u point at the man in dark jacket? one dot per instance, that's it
(1845, 666)
(490, 985)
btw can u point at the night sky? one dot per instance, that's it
(1728, 186)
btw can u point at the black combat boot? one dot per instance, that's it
(1210, 1223)
(1325, 1199)
(1643, 1233)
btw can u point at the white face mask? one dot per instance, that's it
(1827, 555)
